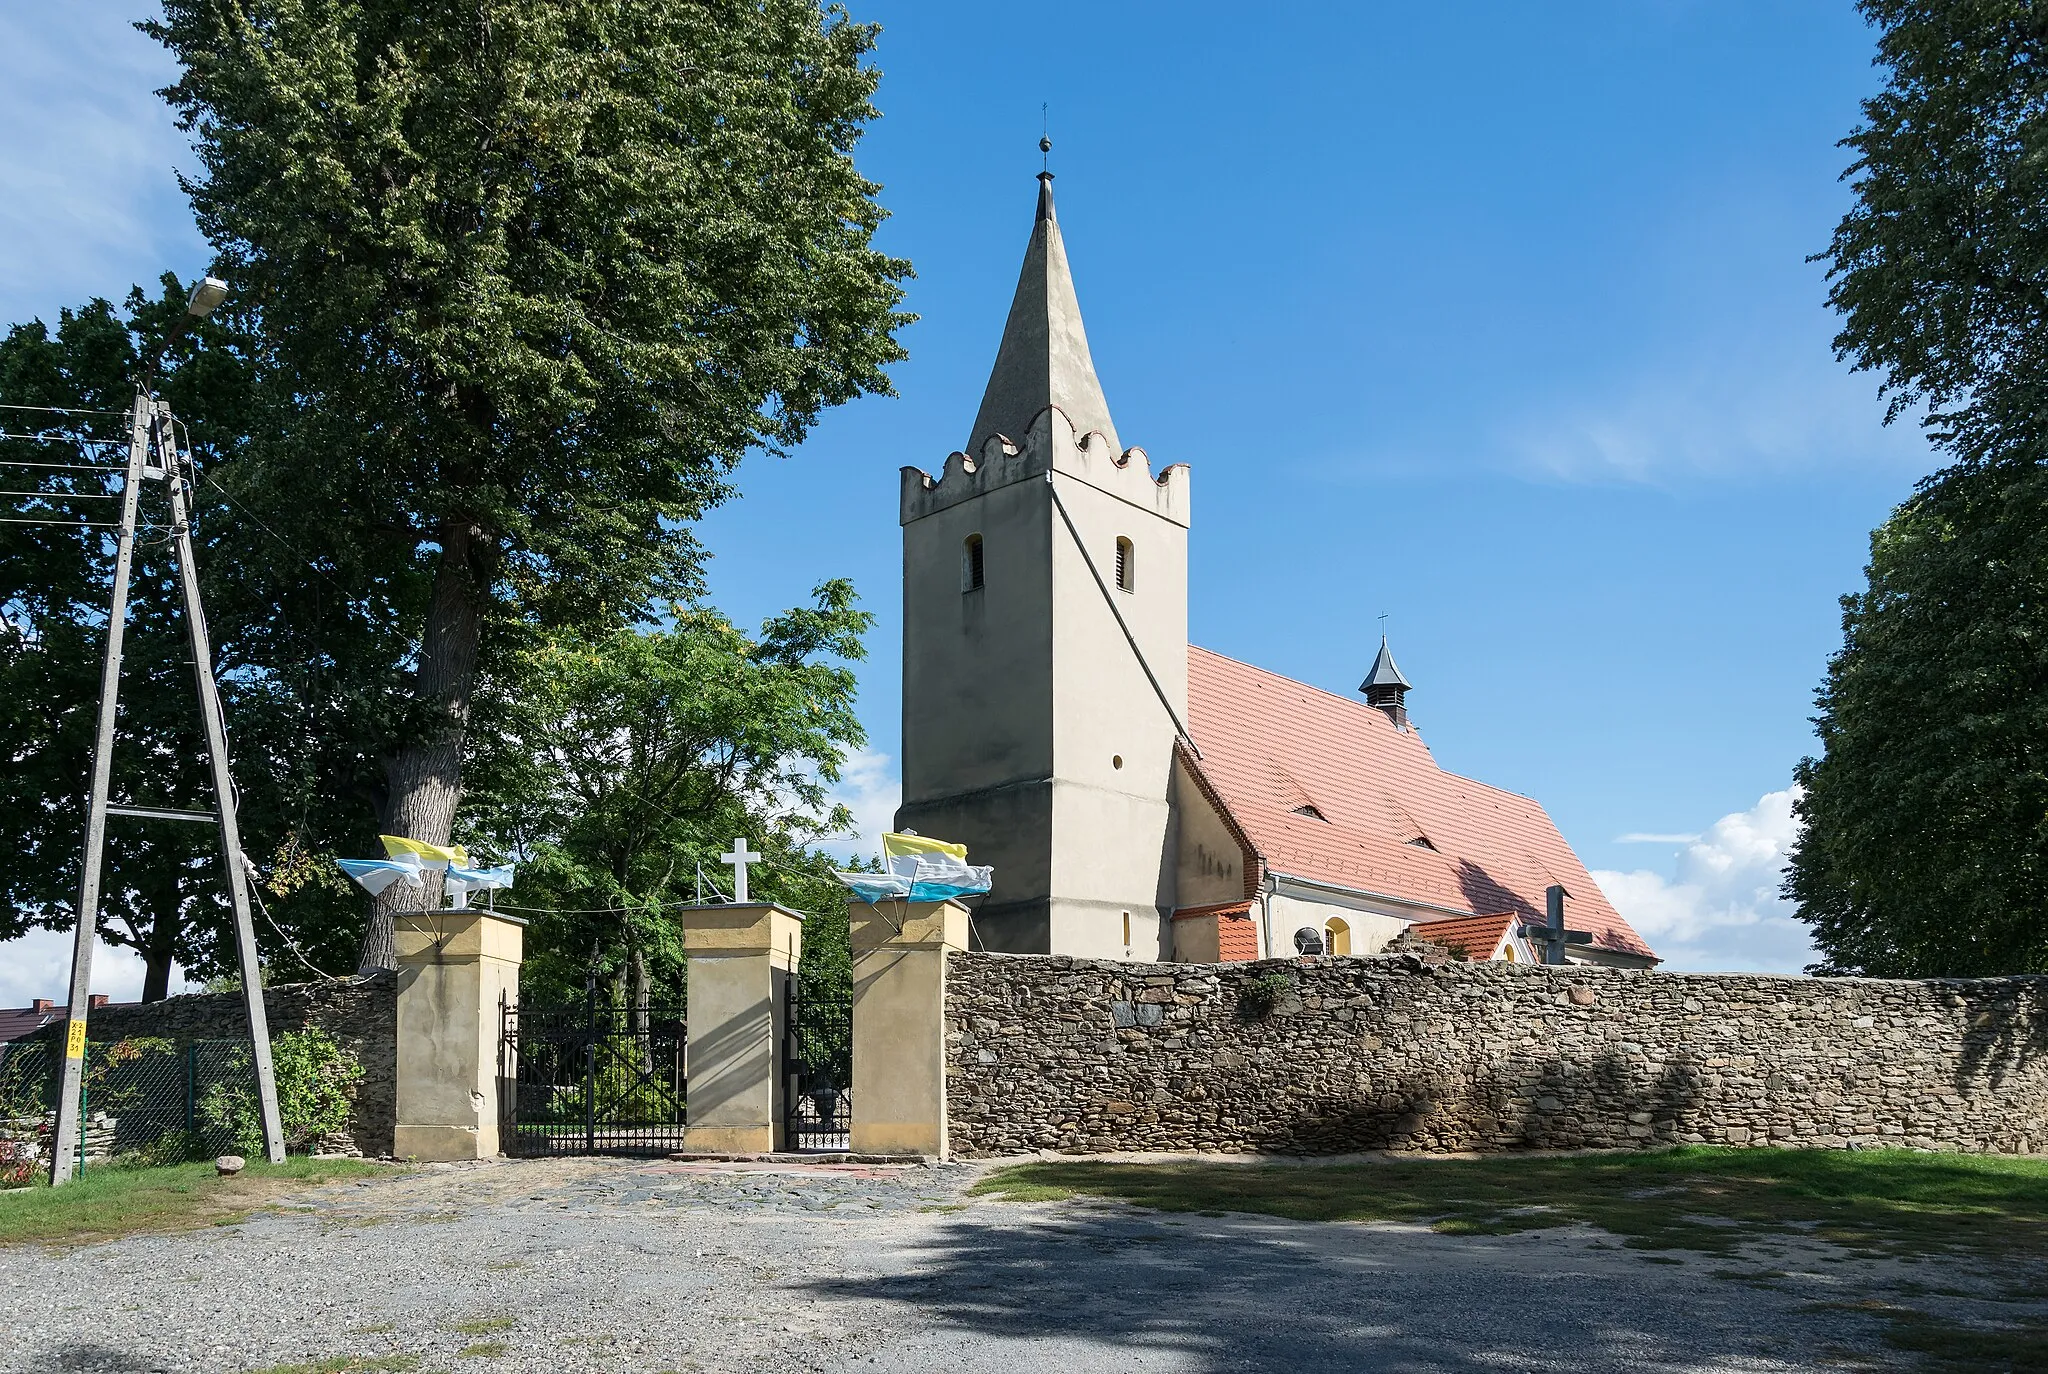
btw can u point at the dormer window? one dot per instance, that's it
(1126, 565)
(1309, 809)
(972, 570)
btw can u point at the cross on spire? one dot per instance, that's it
(740, 857)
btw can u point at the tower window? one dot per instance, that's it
(1126, 565)
(972, 574)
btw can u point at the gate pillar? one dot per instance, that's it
(740, 960)
(457, 971)
(899, 1023)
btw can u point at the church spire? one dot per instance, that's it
(1043, 360)
(1386, 688)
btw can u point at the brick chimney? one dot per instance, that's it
(95, 1001)
(41, 1004)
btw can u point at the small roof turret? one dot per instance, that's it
(1384, 673)
(1385, 688)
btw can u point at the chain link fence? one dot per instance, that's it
(147, 1101)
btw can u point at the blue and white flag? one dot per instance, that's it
(374, 875)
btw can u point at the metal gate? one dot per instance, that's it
(819, 1056)
(594, 1079)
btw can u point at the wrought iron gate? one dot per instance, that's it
(819, 1055)
(594, 1079)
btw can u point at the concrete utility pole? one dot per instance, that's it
(152, 436)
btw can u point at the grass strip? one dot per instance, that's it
(109, 1202)
(1702, 1198)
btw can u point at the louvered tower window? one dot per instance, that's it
(1126, 565)
(971, 568)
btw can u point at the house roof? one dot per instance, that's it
(1386, 819)
(1043, 360)
(1242, 908)
(1478, 936)
(18, 1023)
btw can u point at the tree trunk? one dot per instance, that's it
(425, 773)
(642, 1031)
(156, 963)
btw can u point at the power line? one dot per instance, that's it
(73, 524)
(67, 495)
(62, 410)
(283, 542)
(48, 438)
(69, 467)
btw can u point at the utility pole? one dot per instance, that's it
(153, 436)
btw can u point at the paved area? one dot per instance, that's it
(607, 1265)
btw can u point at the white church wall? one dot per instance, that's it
(1113, 739)
(1208, 860)
(1369, 929)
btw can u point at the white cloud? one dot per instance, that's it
(1756, 406)
(1653, 837)
(868, 787)
(1721, 910)
(38, 964)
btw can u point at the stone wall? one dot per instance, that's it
(361, 1014)
(1394, 1053)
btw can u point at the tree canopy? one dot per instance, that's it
(525, 280)
(514, 289)
(1924, 820)
(625, 765)
(1940, 266)
(1923, 847)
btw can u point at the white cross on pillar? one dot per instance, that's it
(740, 857)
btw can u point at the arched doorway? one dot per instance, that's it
(1337, 936)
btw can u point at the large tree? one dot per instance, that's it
(300, 712)
(1923, 849)
(525, 278)
(1924, 824)
(627, 763)
(1940, 266)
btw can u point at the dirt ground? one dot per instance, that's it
(605, 1265)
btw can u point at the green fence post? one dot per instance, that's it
(84, 1107)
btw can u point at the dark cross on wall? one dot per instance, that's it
(1552, 937)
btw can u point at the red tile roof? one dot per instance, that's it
(1269, 742)
(1478, 936)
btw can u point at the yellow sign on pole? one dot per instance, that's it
(74, 1043)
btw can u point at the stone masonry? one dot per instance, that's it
(359, 1013)
(1077, 1055)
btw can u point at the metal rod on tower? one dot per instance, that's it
(70, 1130)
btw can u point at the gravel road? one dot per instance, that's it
(606, 1265)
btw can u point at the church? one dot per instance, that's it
(1139, 797)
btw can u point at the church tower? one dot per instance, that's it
(1045, 676)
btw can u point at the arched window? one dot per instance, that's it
(1126, 565)
(972, 572)
(1337, 936)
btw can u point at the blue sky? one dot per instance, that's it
(1493, 317)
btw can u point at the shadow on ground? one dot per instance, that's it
(1123, 1288)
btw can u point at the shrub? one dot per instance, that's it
(316, 1084)
(1257, 998)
